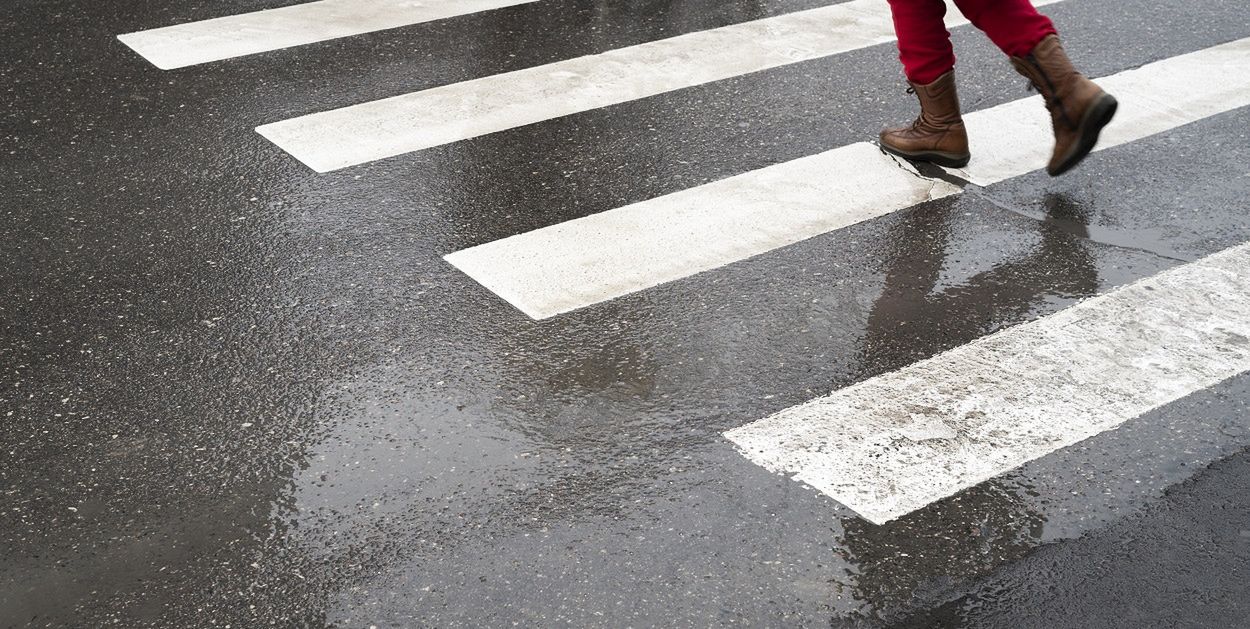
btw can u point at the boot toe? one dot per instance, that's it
(1085, 138)
(889, 135)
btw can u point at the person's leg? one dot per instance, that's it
(1079, 109)
(1013, 25)
(924, 45)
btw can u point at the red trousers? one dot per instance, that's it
(924, 44)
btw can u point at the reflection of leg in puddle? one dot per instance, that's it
(917, 558)
(911, 321)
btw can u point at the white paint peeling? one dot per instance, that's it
(566, 266)
(895, 443)
(273, 29)
(375, 130)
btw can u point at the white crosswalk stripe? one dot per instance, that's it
(895, 443)
(604, 256)
(376, 130)
(567, 266)
(221, 38)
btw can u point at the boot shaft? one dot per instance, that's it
(1078, 108)
(938, 134)
(1066, 91)
(939, 101)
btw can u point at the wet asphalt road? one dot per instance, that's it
(234, 392)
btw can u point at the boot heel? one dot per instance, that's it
(1104, 111)
(951, 161)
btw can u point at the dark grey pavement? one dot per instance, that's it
(235, 392)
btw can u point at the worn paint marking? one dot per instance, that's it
(897, 442)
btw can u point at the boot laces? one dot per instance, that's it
(915, 124)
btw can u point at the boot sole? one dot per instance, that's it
(950, 160)
(1099, 114)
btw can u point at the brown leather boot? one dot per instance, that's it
(938, 135)
(1079, 109)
